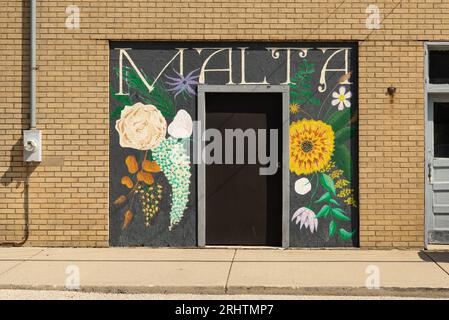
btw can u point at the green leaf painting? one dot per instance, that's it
(123, 100)
(301, 88)
(332, 228)
(346, 235)
(343, 135)
(338, 215)
(324, 197)
(158, 97)
(324, 211)
(328, 183)
(340, 119)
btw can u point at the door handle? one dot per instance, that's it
(429, 173)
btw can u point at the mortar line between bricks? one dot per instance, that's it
(436, 262)
(229, 271)
(21, 262)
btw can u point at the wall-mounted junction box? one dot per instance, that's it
(32, 145)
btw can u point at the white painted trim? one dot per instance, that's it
(437, 88)
(201, 197)
(432, 93)
(437, 45)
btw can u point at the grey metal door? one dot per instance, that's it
(437, 169)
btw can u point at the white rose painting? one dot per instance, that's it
(141, 127)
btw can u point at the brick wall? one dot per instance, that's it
(68, 192)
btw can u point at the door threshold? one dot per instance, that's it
(282, 248)
(242, 247)
(438, 246)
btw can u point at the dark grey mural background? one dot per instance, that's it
(152, 57)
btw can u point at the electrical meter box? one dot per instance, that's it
(32, 145)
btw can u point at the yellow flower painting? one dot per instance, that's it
(311, 146)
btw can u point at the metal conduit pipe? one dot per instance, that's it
(32, 126)
(33, 66)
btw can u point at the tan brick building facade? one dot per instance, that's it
(68, 193)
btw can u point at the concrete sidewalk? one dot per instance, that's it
(232, 271)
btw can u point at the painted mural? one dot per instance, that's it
(152, 108)
(321, 162)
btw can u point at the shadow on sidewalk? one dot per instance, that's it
(435, 256)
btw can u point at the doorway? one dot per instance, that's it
(238, 204)
(438, 169)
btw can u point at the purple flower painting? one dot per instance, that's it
(183, 85)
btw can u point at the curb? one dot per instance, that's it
(216, 290)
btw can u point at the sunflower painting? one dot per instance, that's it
(311, 146)
(322, 132)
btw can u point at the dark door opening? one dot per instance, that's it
(244, 207)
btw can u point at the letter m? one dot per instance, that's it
(239, 136)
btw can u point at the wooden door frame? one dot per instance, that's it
(201, 185)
